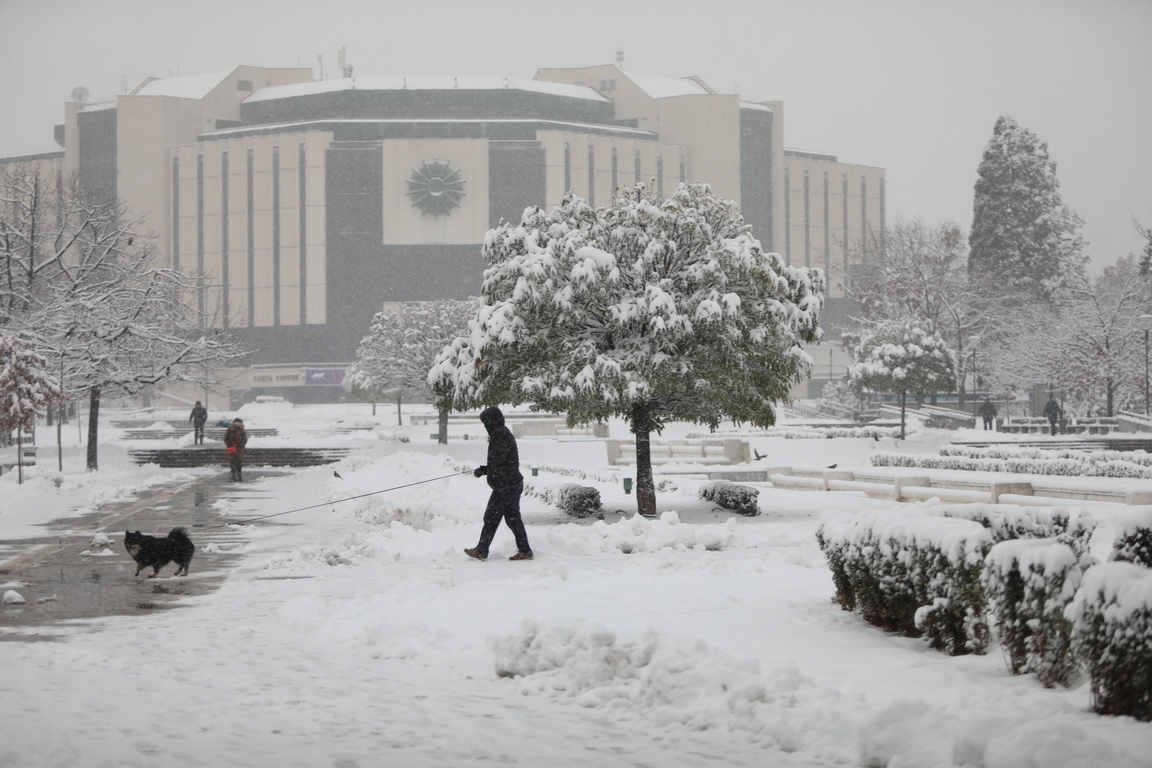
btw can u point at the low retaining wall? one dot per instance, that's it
(921, 487)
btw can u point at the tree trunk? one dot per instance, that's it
(399, 417)
(60, 439)
(1110, 388)
(93, 426)
(645, 487)
(903, 404)
(20, 456)
(442, 423)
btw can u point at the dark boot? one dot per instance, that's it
(474, 552)
(522, 556)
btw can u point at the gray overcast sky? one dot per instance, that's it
(913, 86)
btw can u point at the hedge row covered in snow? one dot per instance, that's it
(1072, 467)
(911, 573)
(1029, 583)
(1005, 522)
(576, 500)
(1111, 617)
(729, 495)
(1133, 541)
(1142, 458)
(803, 433)
(928, 571)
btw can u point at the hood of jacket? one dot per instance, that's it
(492, 418)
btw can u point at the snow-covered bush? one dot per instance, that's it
(1005, 522)
(1029, 583)
(911, 573)
(576, 500)
(1120, 464)
(728, 495)
(1111, 617)
(1133, 542)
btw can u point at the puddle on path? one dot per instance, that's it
(64, 586)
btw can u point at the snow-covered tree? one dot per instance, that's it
(27, 388)
(651, 309)
(1089, 345)
(401, 347)
(79, 278)
(1024, 239)
(900, 357)
(921, 271)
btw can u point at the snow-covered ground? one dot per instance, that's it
(358, 634)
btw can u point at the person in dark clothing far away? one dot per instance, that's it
(506, 482)
(1053, 412)
(988, 411)
(198, 417)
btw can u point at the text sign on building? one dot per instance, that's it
(324, 377)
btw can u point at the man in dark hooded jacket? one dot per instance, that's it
(506, 482)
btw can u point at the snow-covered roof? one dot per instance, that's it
(192, 87)
(446, 83)
(663, 87)
(98, 106)
(755, 105)
(326, 124)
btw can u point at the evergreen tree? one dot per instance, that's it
(1024, 241)
(27, 388)
(649, 309)
(900, 357)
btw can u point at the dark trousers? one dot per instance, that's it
(987, 422)
(504, 504)
(197, 433)
(235, 465)
(1053, 423)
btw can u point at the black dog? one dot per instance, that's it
(157, 553)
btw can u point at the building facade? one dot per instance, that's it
(303, 206)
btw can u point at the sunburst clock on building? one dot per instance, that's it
(436, 187)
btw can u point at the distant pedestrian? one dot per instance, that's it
(234, 441)
(506, 482)
(198, 418)
(1053, 412)
(988, 411)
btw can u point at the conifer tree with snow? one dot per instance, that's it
(1024, 240)
(901, 358)
(648, 309)
(401, 346)
(27, 388)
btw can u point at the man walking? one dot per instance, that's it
(1053, 413)
(988, 411)
(506, 482)
(198, 417)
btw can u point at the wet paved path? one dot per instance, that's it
(62, 585)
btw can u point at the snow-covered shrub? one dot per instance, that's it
(576, 500)
(911, 573)
(1120, 464)
(728, 495)
(1029, 583)
(1133, 542)
(1007, 522)
(1111, 617)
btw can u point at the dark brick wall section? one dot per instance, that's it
(516, 179)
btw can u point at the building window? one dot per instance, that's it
(302, 210)
(608, 85)
(591, 175)
(200, 303)
(615, 172)
(787, 215)
(244, 85)
(251, 203)
(683, 170)
(660, 173)
(225, 276)
(567, 168)
(807, 221)
(176, 214)
(827, 227)
(639, 177)
(863, 219)
(276, 235)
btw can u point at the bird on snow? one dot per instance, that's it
(336, 474)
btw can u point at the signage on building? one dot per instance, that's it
(292, 377)
(324, 377)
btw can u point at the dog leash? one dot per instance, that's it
(335, 501)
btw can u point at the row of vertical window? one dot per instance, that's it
(225, 234)
(827, 224)
(637, 171)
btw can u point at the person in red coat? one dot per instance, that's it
(235, 438)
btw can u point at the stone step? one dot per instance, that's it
(270, 457)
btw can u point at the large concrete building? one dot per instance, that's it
(305, 205)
